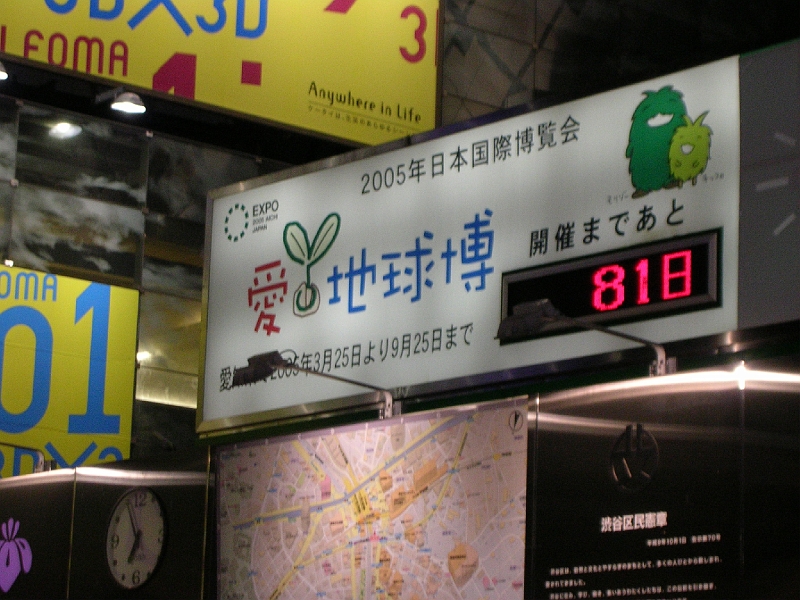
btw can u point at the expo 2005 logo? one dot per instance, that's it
(236, 222)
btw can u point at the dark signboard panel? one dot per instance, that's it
(162, 556)
(35, 511)
(124, 531)
(771, 494)
(637, 494)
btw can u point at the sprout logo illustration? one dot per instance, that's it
(295, 240)
(15, 555)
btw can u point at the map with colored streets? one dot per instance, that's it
(427, 505)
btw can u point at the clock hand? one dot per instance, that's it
(137, 532)
(134, 520)
(137, 540)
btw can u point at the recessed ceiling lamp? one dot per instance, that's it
(130, 103)
(122, 101)
(3, 72)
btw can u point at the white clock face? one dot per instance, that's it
(135, 537)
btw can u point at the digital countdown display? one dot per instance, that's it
(641, 282)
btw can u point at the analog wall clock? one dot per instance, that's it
(135, 537)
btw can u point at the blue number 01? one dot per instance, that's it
(35, 321)
(95, 298)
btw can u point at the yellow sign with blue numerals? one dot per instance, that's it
(362, 70)
(67, 368)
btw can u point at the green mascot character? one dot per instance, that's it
(689, 150)
(653, 124)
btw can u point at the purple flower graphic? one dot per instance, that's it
(15, 555)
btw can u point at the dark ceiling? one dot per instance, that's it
(601, 45)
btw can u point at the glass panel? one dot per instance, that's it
(158, 428)
(6, 199)
(173, 256)
(8, 138)
(182, 174)
(165, 387)
(163, 276)
(52, 230)
(162, 230)
(169, 332)
(82, 156)
(771, 521)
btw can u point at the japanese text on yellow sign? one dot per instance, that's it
(363, 70)
(67, 359)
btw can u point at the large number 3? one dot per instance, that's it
(419, 34)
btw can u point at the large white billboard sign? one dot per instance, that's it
(389, 269)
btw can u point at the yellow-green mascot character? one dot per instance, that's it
(689, 150)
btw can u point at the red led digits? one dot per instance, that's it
(642, 268)
(683, 260)
(609, 281)
(603, 284)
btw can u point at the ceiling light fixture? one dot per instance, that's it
(122, 101)
(130, 103)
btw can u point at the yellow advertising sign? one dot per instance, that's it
(363, 70)
(67, 360)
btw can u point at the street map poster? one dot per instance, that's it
(388, 270)
(361, 70)
(430, 505)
